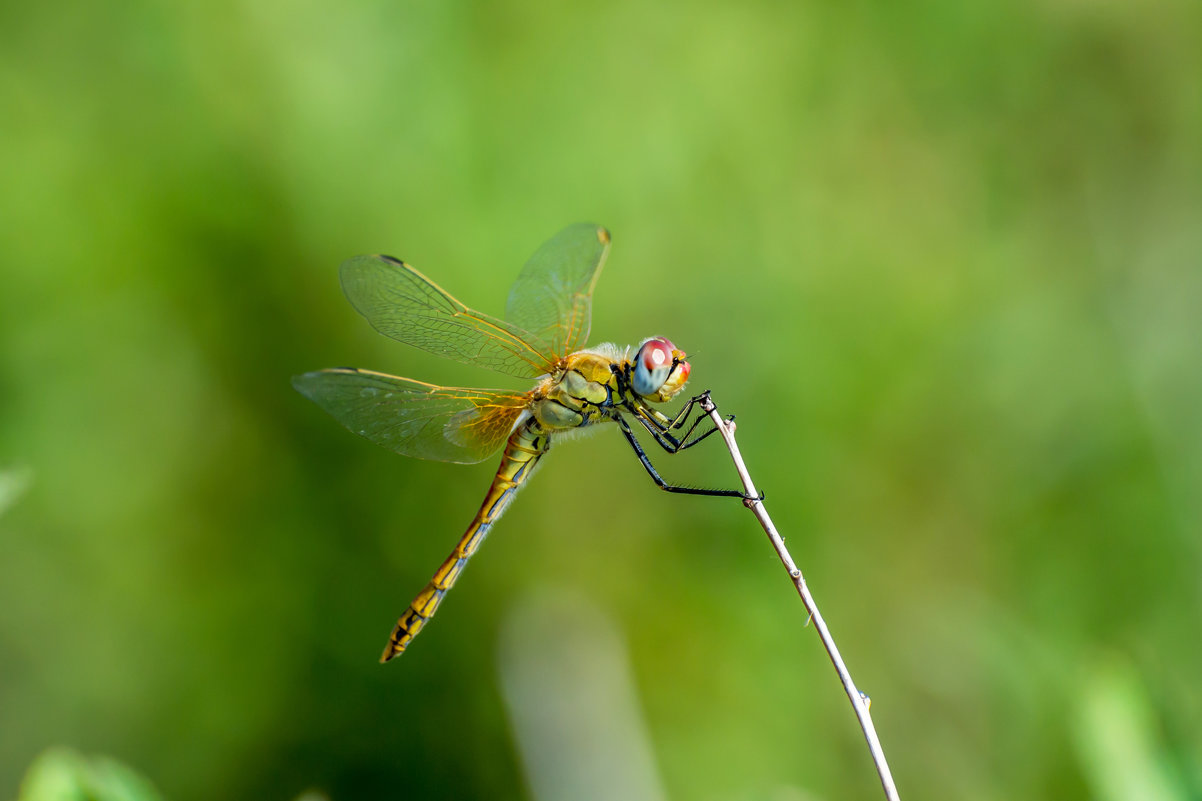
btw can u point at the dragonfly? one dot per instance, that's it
(547, 321)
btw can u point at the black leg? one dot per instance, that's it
(683, 414)
(690, 443)
(667, 441)
(658, 479)
(667, 424)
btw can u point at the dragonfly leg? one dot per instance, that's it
(658, 424)
(666, 423)
(687, 443)
(659, 480)
(683, 414)
(668, 442)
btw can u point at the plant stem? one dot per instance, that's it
(859, 701)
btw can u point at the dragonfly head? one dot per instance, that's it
(660, 370)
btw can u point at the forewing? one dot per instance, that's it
(552, 298)
(447, 424)
(403, 304)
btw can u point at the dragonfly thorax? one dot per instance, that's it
(581, 393)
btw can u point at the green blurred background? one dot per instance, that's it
(941, 259)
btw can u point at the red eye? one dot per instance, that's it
(657, 353)
(659, 370)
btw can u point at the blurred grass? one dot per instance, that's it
(941, 259)
(62, 775)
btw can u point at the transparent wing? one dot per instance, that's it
(552, 298)
(403, 304)
(447, 424)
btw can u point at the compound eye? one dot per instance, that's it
(653, 365)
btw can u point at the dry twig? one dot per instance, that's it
(859, 701)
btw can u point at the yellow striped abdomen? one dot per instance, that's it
(525, 447)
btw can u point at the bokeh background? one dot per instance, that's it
(941, 259)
